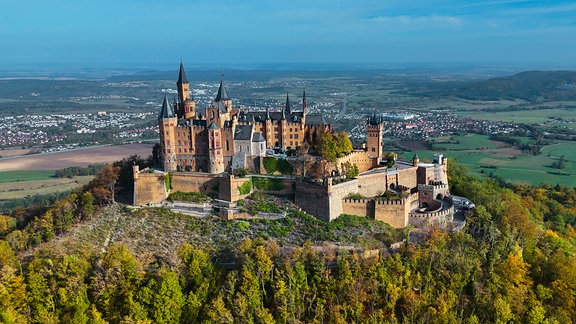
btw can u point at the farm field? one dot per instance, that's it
(81, 157)
(25, 175)
(523, 116)
(21, 189)
(512, 166)
(469, 142)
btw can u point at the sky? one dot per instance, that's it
(108, 33)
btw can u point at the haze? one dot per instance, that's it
(135, 33)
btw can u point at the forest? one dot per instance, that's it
(513, 262)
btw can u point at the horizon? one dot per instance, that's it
(111, 34)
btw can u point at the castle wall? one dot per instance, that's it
(148, 188)
(358, 207)
(198, 182)
(336, 193)
(393, 211)
(360, 158)
(407, 177)
(313, 199)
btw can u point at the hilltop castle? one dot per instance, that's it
(223, 137)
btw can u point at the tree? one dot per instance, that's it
(103, 187)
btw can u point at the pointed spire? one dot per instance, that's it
(222, 94)
(182, 76)
(166, 111)
(288, 109)
(304, 101)
(267, 114)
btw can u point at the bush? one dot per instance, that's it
(285, 167)
(246, 187)
(270, 164)
(268, 184)
(354, 195)
(240, 173)
(195, 197)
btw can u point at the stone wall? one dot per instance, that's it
(313, 199)
(148, 187)
(360, 158)
(196, 182)
(358, 207)
(393, 211)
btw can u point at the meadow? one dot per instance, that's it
(512, 166)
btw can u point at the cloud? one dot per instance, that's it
(420, 21)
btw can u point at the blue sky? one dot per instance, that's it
(141, 32)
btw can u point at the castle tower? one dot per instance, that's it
(167, 121)
(374, 128)
(304, 104)
(415, 160)
(283, 126)
(187, 104)
(288, 108)
(215, 149)
(222, 96)
(183, 85)
(268, 129)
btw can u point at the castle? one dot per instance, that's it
(224, 137)
(198, 149)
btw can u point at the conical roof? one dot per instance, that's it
(166, 111)
(182, 76)
(222, 94)
(288, 109)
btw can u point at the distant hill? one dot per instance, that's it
(533, 86)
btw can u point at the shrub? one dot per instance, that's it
(268, 184)
(354, 195)
(241, 172)
(285, 167)
(195, 197)
(246, 187)
(270, 164)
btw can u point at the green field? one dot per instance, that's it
(515, 168)
(26, 175)
(522, 116)
(19, 184)
(468, 142)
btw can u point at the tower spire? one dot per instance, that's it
(304, 101)
(267, 114)
(222, 93)
(182, 75)
(288, 109)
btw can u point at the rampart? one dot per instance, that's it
(313, 199)
(360, 158)
(392, 211)
(148, 187)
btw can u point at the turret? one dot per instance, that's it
(415, 160)
(215, 149)
(183, 85)
(167, 122)
(222, 95)
(374, 128)
(288, 109)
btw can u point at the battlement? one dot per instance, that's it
(432, 215)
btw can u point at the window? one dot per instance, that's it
(296, 136)
(290, 134)
(275, 135)
(227, 145)
(373, 150)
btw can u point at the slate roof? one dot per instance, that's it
(182, 76)
(260, 116)
(166, 111)
(257, 137)
(212, 126)
(316, 119)
(243, 132)
(222, 93)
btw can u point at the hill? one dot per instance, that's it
(77, 262)
(532, 86)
